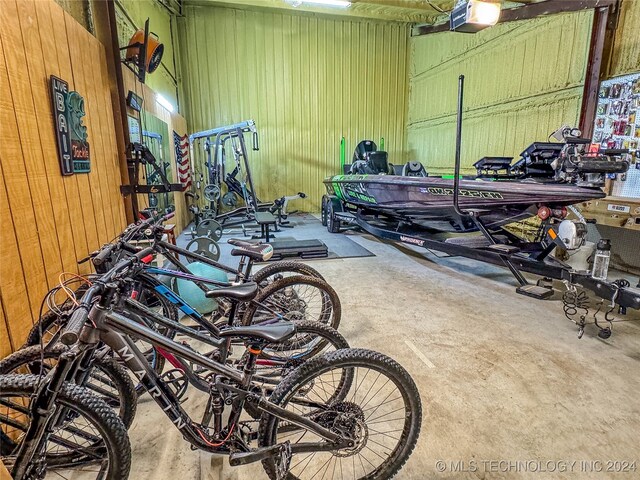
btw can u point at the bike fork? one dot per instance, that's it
(42, 410)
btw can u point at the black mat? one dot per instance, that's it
(305, 227)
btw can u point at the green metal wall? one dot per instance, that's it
(305, 80)
(626, 48)
(523, 80)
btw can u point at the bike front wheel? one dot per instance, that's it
(87, 440)
(379, 411)
(107, 379)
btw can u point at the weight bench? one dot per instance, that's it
(265, 220)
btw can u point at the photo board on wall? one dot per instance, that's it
(617, 125)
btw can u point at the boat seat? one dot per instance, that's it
(243, 292)
(364, 147)
(377, 162)
(275, 332)
(414, 169)
(260, 252)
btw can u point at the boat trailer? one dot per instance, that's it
(529, 257)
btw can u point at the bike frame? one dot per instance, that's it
(157, 388)
(242, 273)
(115, 330)
(213, 339)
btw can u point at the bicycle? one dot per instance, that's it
(273, 302)
(315, 399)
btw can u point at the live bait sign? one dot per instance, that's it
(71, 134)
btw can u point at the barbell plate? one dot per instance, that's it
(205, 247)
(230, 199)
(209, 228)
(212, 192)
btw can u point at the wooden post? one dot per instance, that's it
(594, 68)
(107, 33)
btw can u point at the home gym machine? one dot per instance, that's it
(139, 154)
(153, 171)
(238, 181)
(227, 187)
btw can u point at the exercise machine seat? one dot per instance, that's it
(272, 333)
(243, 292)
(414, 169)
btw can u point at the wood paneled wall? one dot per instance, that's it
(523, 80)
(48, 222)
(306, 81)
(175, 122)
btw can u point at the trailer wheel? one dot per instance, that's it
(323, 211)
(333, 224)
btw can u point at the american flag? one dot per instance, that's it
(182, 159)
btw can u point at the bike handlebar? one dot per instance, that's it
(80, 315)
(73, 328)
(104, 254)
(129, 234)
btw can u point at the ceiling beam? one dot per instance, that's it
(361, 10)
(527, 12)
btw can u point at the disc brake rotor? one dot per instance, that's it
(346, 419)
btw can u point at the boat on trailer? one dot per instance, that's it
(473, 216)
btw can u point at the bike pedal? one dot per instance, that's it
(244, 458)
(284, 461)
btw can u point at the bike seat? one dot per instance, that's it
(256, 251)
(240, 243)
(244, 291)
(275, 332)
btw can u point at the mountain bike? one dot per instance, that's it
(300, 298)
(351, 411)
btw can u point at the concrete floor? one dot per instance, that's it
(507, 387)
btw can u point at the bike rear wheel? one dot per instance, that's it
(285, 268)
(89, 440)
(275, 362)
(379, 410)
(296, 298)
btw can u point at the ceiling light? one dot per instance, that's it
(327, 3)
(474, 15)
(164, 102)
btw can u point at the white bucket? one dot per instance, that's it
(579, 259)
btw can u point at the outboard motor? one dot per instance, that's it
(414, 169)
(579, 165)
(576, 161)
